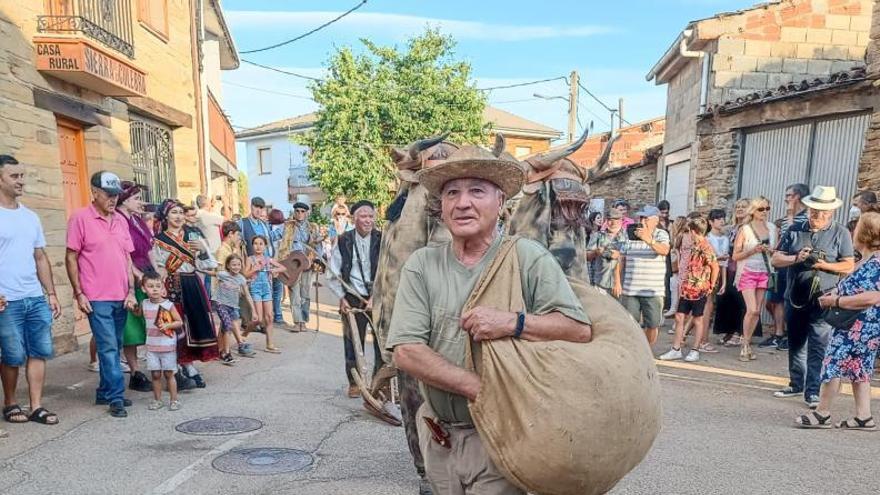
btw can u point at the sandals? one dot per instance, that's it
(858, 424)
(273, 350)
(14, 414)
(43, 416)
(813, 421)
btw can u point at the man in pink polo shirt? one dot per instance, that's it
(99, 268)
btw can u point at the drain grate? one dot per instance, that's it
(219, 425)
(263, 461)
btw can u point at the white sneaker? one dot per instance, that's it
(693, 356)
(94, 367)
(669, 314)
(124, 366)
(671, 355)
(670, 331)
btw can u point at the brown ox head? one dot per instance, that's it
(412, 222)
(552, 209)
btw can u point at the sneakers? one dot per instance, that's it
(672, 355)
(174, 405)
(787, 392)
(139, 382)
(93, 366)
(692, 356)
(117, 410)
(124, 366)
(105, 402)
(782, 345)
(812, 401)
(669, 314)
(184, 382)
(771, 341)
(670, 331)
(245, 350)
(227, 359)
(155, 405)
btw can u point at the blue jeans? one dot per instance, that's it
(808, 336)
(107, 320)
(25, 331)
(277, 294)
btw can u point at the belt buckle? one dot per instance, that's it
(438, 433)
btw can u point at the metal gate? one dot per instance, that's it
(152, 156)
(816, 152)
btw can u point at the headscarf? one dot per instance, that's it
(129, 189)
(162, 211)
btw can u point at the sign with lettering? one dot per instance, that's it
(81, 63)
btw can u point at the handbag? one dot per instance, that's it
(772, 276)
(840, 318)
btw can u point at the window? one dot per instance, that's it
(153, 15)
(264, 160)
(521, 151)
(152, 157)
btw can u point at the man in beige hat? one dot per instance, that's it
(816, 252)
(428, 330)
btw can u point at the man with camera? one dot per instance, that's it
(640, 280)
(816, 252)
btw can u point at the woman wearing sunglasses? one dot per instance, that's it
(752, 250)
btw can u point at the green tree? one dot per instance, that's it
(385, 97)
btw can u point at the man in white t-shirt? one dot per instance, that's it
(209, 222)
(27, 312)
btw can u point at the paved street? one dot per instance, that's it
(723, 433)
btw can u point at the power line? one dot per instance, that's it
(601, 102)
(282, 71)
(523, 84)
(282, 93)
(322, 26)
(594, 114)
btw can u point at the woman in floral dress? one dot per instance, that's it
(851, 351)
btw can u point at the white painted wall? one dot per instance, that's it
(211, 65)
(286, 155)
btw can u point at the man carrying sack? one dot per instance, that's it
(432, 330)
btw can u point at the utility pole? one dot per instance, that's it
(572, 105)
(620, 113)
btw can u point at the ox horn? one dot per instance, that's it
(397, 154)
(543, 162)
(602, 163)
(423, 144)
(499, 145)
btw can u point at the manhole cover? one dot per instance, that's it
(263, 461)
(219, 425)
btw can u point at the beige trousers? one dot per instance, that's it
(299, 297)
(463, 469)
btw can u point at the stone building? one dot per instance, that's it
(278, 167)
(735, 56)
(869, 166)
(636, 182)
(113, 85)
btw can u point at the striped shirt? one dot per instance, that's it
(645, 270)
(157, 340)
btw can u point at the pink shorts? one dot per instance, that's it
(753, 280)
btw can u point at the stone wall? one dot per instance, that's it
(637, 184)
(791, 41)
(718, 159)
(869, 167)
(682, 106)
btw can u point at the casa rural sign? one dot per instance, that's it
(79, 62)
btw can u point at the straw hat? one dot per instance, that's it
(823, 198)
(477, 163)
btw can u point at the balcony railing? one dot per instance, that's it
(106, 21)
(220, 130)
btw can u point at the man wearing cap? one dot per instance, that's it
(255, 224)
(27, 298)
(428, 331)
(603, 251)
(816, 253)
(354, 260)
(302, 236)
(99, 267)
(640, 283)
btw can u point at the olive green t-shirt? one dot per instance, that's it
(434, 287)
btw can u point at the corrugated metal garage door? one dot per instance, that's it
(822, 151)
(677, 180)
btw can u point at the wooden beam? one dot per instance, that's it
(71, 108)
(159, 111)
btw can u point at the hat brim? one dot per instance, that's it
(111, 191)
(507, 175)
(815, 204)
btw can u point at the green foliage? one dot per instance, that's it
(244, 201)
(386, 97)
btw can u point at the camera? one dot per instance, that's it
(631, 231)
(814, 257)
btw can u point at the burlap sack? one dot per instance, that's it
(561, 418)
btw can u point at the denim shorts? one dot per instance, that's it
(261, 288)
(25, 331)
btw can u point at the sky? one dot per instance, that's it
(612, 45)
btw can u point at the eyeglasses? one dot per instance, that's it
(763, 209)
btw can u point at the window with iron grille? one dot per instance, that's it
(152, 156)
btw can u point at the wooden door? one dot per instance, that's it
(74, 181)
(73, 165)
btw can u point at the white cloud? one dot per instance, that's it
(400, 26)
